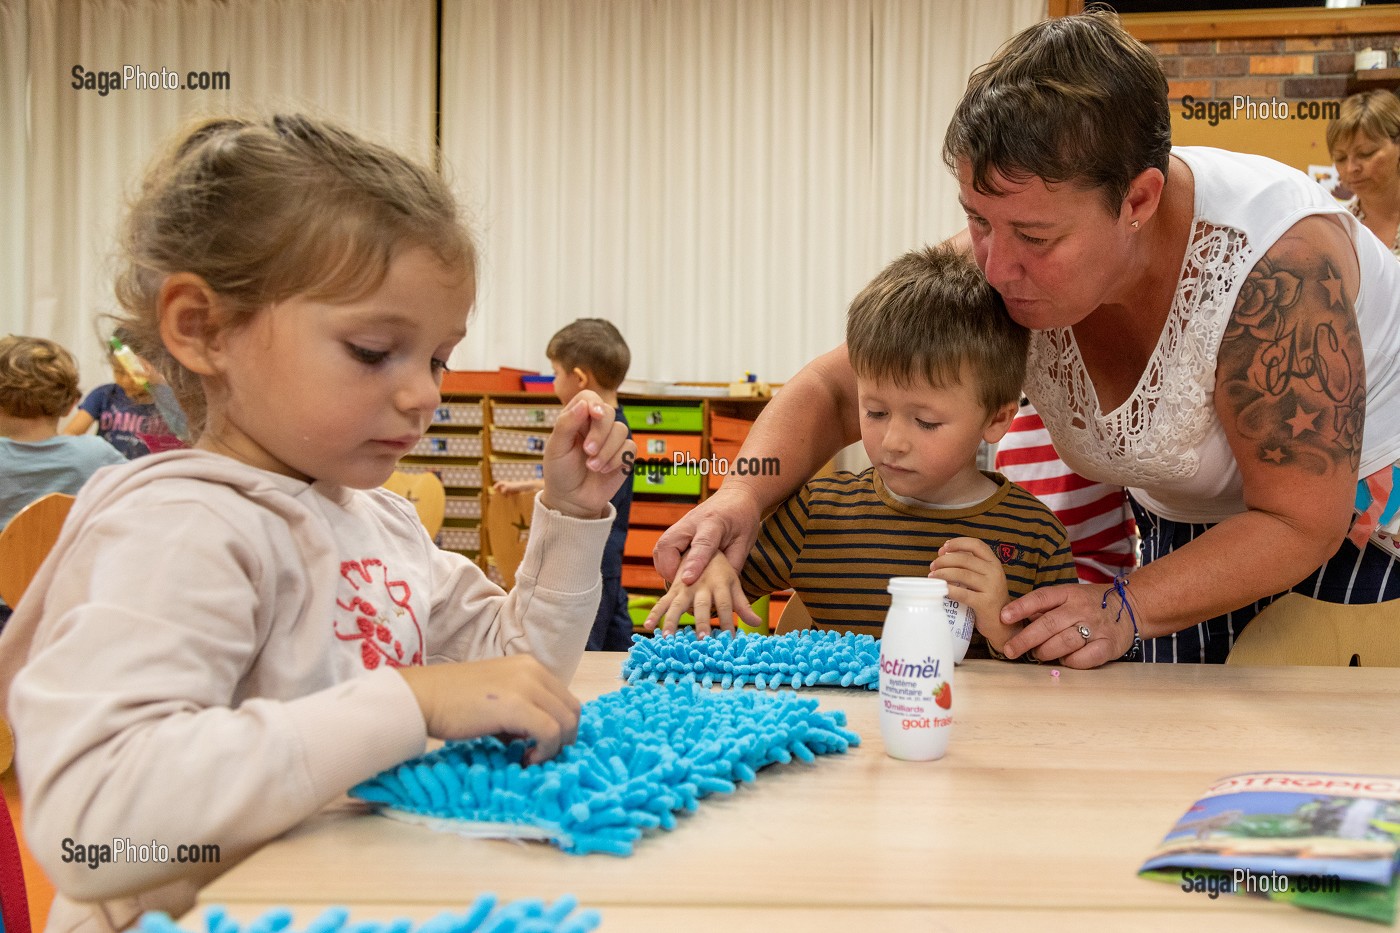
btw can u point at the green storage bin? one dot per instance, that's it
(638, 607)
(656, 416)
(666, 481)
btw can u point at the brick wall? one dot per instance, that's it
(1285, 69)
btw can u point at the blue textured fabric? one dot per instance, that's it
(809, 658)
(484, 915)
(643, 754)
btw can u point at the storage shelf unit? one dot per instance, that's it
(685, 446)
(475, 439)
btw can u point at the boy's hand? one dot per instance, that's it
(976, 579)
(512, 697)
(718, 587)
(584, 458)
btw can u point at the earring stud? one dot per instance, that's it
(1135, 225)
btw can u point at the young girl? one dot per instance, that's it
(126, 414)
(227, 638)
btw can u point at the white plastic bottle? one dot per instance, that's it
(916, 670)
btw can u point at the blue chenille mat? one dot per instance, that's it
(643, 754)
(807, 658)
(484, 915)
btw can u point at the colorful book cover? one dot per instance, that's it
(1321, 841)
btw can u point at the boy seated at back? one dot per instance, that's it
(591, 354)
(939, 366)
(38, 386)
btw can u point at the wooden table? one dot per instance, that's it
(1053, 792)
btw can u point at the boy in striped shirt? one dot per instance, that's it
(939, 366)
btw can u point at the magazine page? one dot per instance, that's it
(1322, 841)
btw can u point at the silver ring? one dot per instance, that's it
(1083, 631)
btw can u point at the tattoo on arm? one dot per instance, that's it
(1291, 365)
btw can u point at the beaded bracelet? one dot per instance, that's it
(1120, 589)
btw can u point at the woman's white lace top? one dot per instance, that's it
(1165, 442)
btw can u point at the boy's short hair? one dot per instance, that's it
(926, 315)
(38, 378)
(595, 346)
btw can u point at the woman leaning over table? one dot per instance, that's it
(1364, 142)
(1210, 330)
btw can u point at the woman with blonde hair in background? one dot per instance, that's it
(1364, 142)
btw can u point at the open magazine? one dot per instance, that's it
(1322, 841)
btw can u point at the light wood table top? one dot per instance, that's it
(1052, 794)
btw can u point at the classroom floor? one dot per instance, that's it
(37, 887)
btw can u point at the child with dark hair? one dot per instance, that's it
(591, 354)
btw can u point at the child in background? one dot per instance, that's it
(38, 386)
(125, 413)
(939, 366)
(591, 354)
(242, 630)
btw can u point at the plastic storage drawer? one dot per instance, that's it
(462, 507)
(465, 414)
(448, 445)
(667, 445)
(459, 539)
(505, 441)
(667, 482)
(524, 416)
(654, 416)
(515, 471)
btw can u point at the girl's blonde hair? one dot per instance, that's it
(263, 210)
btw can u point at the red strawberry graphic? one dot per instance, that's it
(943, 696)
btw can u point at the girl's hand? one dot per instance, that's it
(587, 457)
(717, 587)
(976, 579)
(510, 697)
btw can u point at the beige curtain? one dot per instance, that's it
(367, 63)
(718, 178)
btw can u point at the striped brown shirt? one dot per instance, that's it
(838, 541)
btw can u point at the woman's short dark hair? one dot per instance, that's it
(1074, 99)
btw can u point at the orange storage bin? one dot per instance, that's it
(640, 542)
(641, 575)
(660, 514)
(725, 428)
(504, 379)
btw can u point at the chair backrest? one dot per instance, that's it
(795, 617)
(425, 491)
(1296, 629)
(26, 541)
(506, 520)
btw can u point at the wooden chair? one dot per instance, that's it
(506, 521)
(26, 541)
(795, 617)
(1297, 629)
(425, 491)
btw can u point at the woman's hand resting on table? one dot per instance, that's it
(1053, 616)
